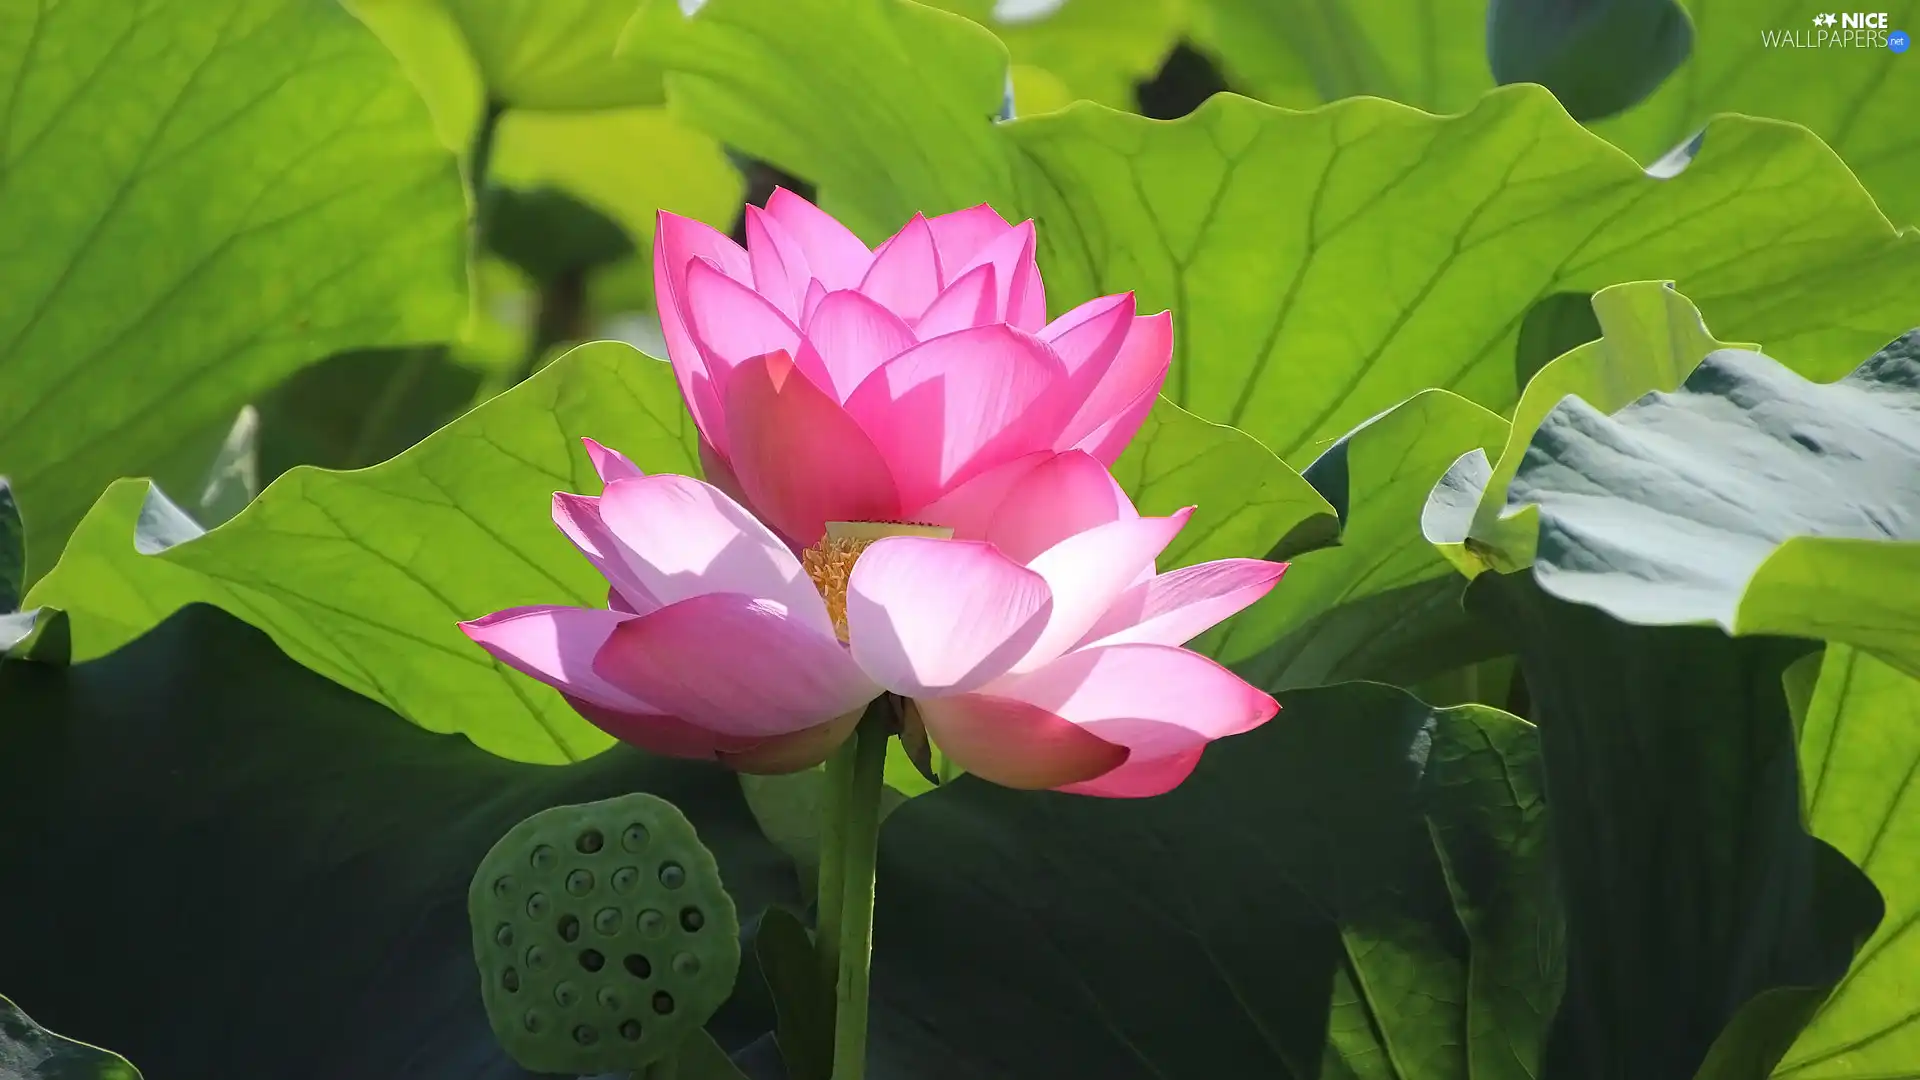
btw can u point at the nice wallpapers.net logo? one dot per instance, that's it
(1843, 30)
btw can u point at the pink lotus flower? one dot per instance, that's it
(1044, 655)
(922, 364)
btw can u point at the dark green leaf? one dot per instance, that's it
(360, 408)
(792, 971)
(13, 550)
(1360, 888)
(199, 197)
(228, 867)
(1690, 884)
(31, 1052)
(1597, 56)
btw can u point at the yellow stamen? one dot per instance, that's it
(830, 562)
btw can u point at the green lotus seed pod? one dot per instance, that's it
(603, 935)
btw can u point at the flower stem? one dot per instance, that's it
(859, 842)
(830, 887)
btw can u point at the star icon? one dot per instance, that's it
(1830, 19)
(1819, 20)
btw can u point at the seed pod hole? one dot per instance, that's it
(537, 958)
(590, 842)
(585, 1035)
(635, 837)
(686, 965)
(610, 999)
(565, 995)
(630, 1030)
(625, 879)
(510, 981)
(651, 922)
(580, 882)
(672, 875)
(534, 1021)
(569, 928)
(503, 935)
(637, 966)
(503, 886)
(607, 921)
(591, 960)
(691, 920)
(663, 1002)
(537, 906)
(543, 858)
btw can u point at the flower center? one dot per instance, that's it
(830, 562)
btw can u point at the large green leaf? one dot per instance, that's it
(1300, 53)
(226, 867)
(1358, 889)
(1749, 498)
(1651, 338)
(31, 1052)
(198, 197)
(1860, 763)
(1855, 93)
(1246, 499)
(554, 54)
(1433, 54)
(1095, 50)
(1691, 886)
(1322, 266)
(362, 575)
(1380, 601)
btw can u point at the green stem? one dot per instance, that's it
(666, 1068)
(859, 836)
(831, 887)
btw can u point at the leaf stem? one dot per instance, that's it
(831, 885)
(859, 840)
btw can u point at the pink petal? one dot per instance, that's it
(671, 736)
(848, 337)
(801, 460)
(834, 255)
(951, 408)
(1088, 337)
(816, 292)
(677, 244)
(610, 464)
(779, 266)
(1024, 300)
(905, 275)
(927, 616)
(1164, 704)
(1067, 495)
(959, 236)
(971, 300)
(668, 736)
(734, 664)
(781, 754)
(1086, 573)
(683, 538)
(969, 508)
(1108, 441)
(1014, 744)
(1141, 779)
(578, 516)
(556, 645)
(732, 322)
(1176, 607)
(1134, 376)
(716, 470)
